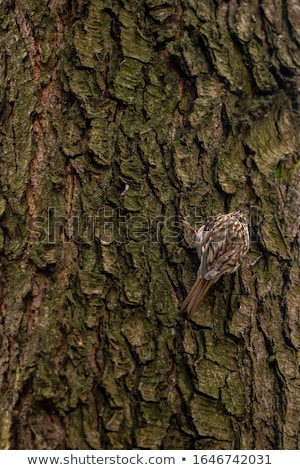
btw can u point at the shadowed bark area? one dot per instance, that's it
(119, 120)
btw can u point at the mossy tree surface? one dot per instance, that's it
(119, 119)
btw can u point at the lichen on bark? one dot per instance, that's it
(119, 120)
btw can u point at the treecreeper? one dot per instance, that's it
(222, 244)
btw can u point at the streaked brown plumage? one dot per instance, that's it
(221, 244)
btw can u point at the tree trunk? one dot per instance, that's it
(119, 120)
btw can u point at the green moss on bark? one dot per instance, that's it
(117, 122)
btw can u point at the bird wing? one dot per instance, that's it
(218, 251)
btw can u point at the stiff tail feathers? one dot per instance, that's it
(196, 295)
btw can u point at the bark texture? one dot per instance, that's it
(119, 119)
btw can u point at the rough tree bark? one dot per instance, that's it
(119, 119)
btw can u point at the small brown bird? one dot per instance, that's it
(221, 244)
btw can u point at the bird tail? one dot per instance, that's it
(196, 295)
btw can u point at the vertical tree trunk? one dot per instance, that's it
(119, 119)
